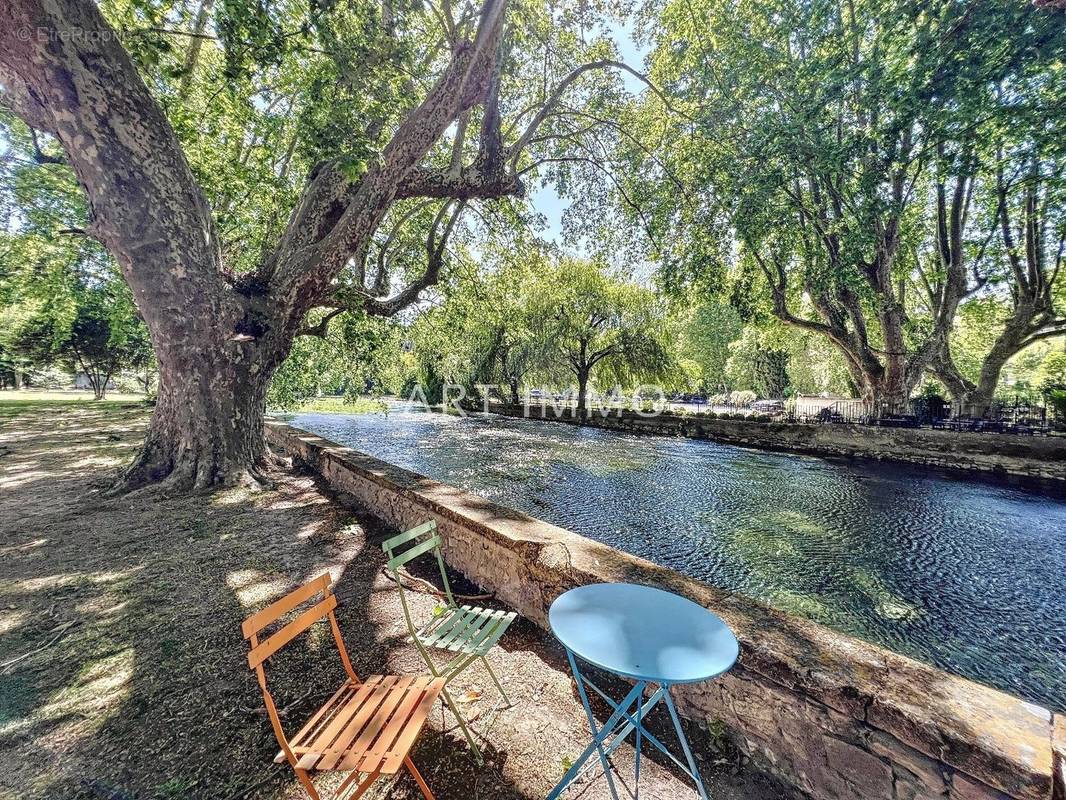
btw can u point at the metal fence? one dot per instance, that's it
(1011, 416)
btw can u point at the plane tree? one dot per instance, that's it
(404, 117)
(832, 159)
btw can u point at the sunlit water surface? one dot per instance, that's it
(967, 574)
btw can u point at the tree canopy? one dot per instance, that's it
(859, 170)
(838, 196)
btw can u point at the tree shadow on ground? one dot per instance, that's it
(140, 688)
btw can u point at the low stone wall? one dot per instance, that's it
(834, 716)
(1042, 457)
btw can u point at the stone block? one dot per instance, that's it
(1058, 747)
(925, 774)
(966, 788)
(869, 775)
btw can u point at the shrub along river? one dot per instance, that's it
(964, 573)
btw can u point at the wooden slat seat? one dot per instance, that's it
(368, 727)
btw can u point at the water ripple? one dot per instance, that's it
(968, 575)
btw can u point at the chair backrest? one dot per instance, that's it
(409, 545)
(322, 608)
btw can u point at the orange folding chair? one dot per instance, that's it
(366, 728)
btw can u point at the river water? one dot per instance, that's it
(967, 574)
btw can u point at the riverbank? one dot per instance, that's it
(835, 716)
(1040, 458)
(130, 677)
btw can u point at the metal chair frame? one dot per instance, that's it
(469, 632)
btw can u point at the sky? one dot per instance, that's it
(545, 199)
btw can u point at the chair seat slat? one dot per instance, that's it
(472, 619)
(337, 699)
(477, 624)
(482, 640)
(337, 740)
(402, 746)
(447, 628)
(372, 726)
(380, 748)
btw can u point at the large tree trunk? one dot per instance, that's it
(974, 399)
(207, 428)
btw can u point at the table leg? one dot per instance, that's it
(598, 734)
(684, 744)
(636, 767)
(645, 709)
(592, 722)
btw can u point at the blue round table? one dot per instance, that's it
(651, 637)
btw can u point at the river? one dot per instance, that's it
(967, 574)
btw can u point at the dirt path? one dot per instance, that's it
(139, 687)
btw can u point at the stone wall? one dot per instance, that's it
(832, 715)
(1042, 457)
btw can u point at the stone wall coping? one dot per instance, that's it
(1001, 740)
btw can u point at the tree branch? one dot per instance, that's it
(560, 89)
(335, 219)
(436, 241)
(321, 328)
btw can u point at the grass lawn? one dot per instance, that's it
(16, 401)
(123, 674)
(339, 405)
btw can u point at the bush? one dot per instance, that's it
(1056, 400)
(49, 378)
(743, 399)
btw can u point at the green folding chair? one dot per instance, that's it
(466, 631)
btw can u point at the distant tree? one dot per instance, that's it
(599, 324)
(704, 331)
(758, 363)
(94, 341)
(353, 357)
